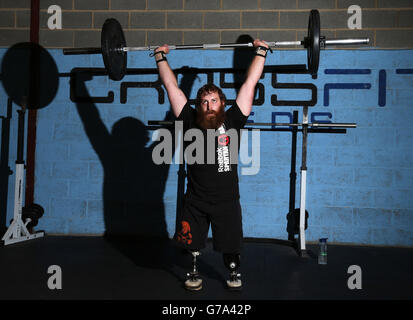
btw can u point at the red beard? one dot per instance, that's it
(210, 119)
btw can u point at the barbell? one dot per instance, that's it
(114, 49)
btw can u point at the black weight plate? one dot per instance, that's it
(31, 212)
(112, 39)
(29, 75)
(313, 46)
(293, 219)
(37, 208)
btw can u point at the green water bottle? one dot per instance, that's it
(322, 254)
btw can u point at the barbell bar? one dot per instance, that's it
(114, 49)
(275, 124)
(333, 42)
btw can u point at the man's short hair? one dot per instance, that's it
(207, 89)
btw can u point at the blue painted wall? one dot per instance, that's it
(360, 184)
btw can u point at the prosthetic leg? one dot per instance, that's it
(194, 282)
(232, 262)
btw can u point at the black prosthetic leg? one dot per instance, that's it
(232, 262)
(193, 282)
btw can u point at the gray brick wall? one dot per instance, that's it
(387, 22)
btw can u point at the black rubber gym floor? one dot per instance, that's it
(154, 269)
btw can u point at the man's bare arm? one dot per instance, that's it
(176, 96)
(246, 93)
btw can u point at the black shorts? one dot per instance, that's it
(224, 217)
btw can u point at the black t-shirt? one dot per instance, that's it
(217, 181)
